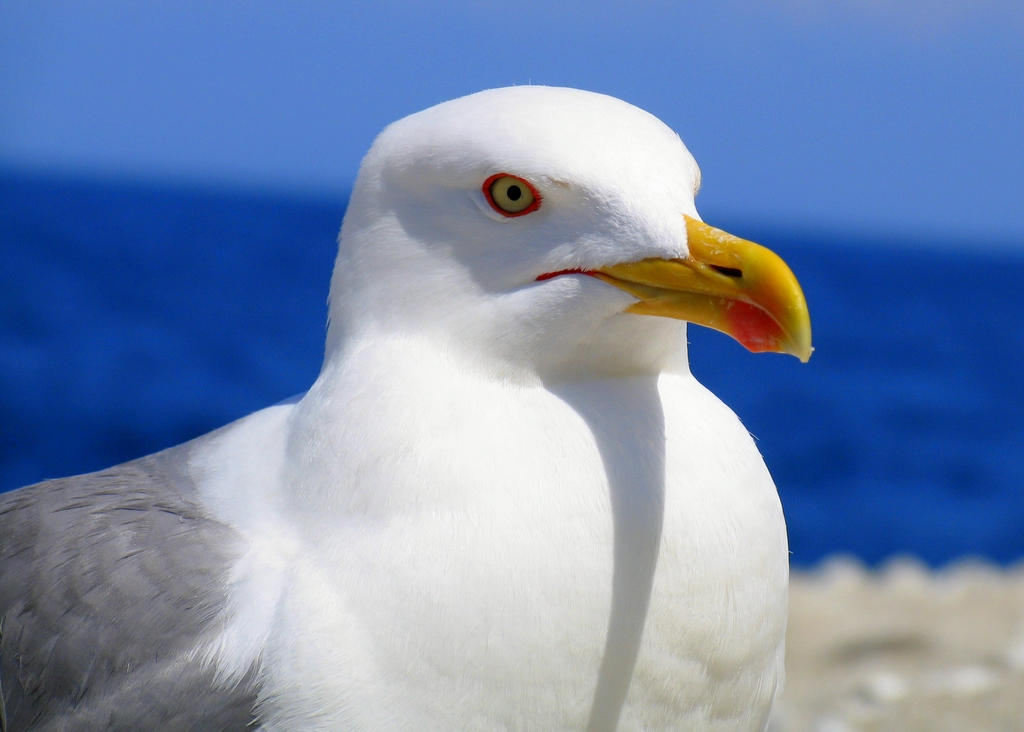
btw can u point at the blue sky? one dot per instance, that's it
(886, 118)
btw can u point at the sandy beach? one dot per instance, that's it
(904, 648)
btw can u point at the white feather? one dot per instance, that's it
(504, 504)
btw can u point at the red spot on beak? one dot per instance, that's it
(753, 327)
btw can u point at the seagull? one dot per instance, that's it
(504, 504)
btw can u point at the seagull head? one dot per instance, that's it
(551, 232)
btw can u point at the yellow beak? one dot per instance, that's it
(727, 283)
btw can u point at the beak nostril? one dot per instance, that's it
(727, 271)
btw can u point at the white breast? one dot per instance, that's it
(461, 572)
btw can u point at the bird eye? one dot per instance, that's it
(510, 195)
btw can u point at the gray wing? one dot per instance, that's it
(107, 581)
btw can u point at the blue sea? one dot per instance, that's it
(134, 317)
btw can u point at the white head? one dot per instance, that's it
(423, 251)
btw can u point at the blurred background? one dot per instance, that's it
(173, 176)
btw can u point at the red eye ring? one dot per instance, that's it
(489, 195)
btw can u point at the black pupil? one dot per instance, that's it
(514, 193)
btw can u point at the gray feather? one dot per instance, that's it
(107, 581)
